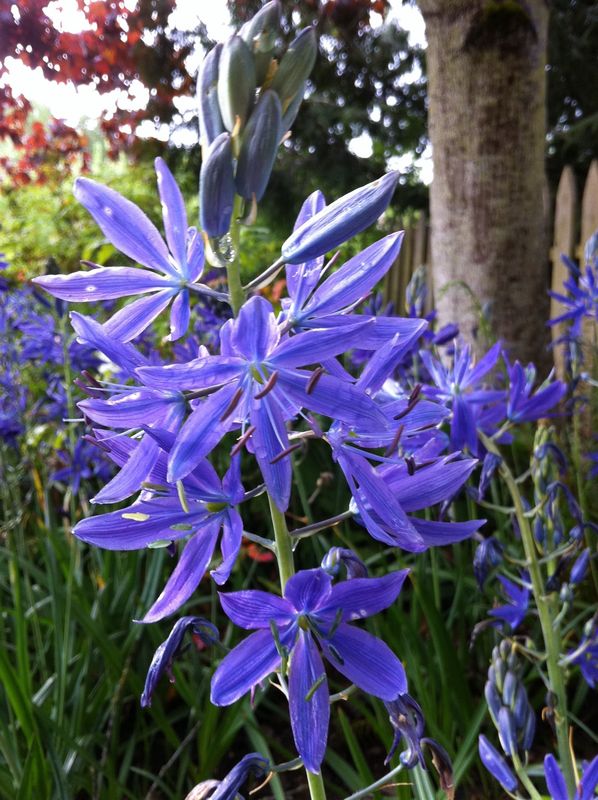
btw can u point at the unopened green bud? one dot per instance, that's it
(260, 33)
(210, 120)
(295, 66)
(258, 148)
(236, 82)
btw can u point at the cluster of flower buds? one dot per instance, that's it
(547, 463)
(248, 100)
(508, 702)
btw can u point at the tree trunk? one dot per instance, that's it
(486, 75)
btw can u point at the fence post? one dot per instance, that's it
(565, 235)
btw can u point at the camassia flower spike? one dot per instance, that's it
(172, 267)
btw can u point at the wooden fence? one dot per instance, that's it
(575, 220)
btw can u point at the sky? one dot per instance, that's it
(83, 105)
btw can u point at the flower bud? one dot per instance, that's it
(580, 568)
(506, 731)
(496, 765)
(493, 700)
(210, 121)
(339, 221)
(338, 556)
(258, 148)
(509, 688)
(217, 187)
(259, 33)
(290, 114)
(295, 66)
(236, 82)
(526, 737)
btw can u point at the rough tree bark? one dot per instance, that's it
(486, 75)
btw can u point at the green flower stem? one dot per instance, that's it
(284, 548)
(550, 633)
(233, 268)
(316, 786)
(524, 778)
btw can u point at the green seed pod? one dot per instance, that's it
(210, 121)
(259, 33)
(236, 82)
(295, 66)
(259, 146)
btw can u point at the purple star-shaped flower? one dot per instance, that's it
(172, 268)
(256, 382)
(313, 610)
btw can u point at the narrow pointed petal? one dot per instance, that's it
(438, 534)
(364, 597)
(173, 214)
(256, 609)
(429, 485)
(192, 565)
(129, 479)
(333, 398)
(125, 225)
(312, 347)
(366, 661)
(308, 589)
(463, 426)
(269, 441)
(483, 366)
(355, 279)
(200, 434)
(255, 331)
(589, 780)
(103, 283)
(136, 526)
(126, 356)
(230, 544)
(195, 256)
(135, 317)
(128, 410)
(179, 315)
(201, 373)
(554, 779)
(249, 663)
(309, 710)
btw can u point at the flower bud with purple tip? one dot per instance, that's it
(496, 764)
(217, 187)
(210, 119)
(338, 222)
(169, 649)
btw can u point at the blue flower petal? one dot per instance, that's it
(363, 597)
(309, 709)
(366, 661)
(253, 608)
(125, 225)
(173, 214)
(246, 665)
(135, 317)
(190, 569)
